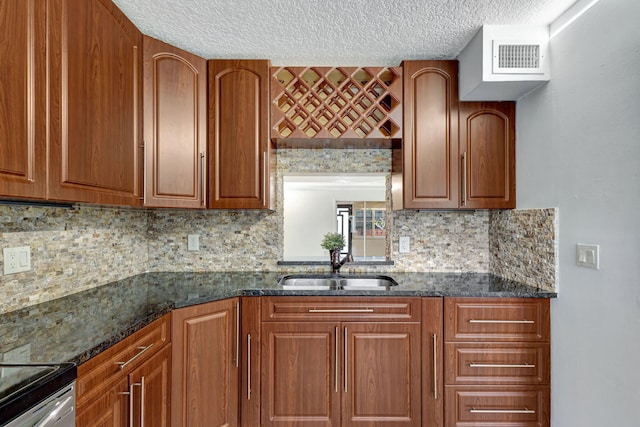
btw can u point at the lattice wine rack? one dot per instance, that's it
(336, 103)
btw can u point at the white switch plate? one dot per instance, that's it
(193, 242)
(17, 260)
(405, 245)
(588, 255)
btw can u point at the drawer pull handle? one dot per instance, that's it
(341, 310)
(502, 411)
(498, 365)
(140, 353)
(508, 322)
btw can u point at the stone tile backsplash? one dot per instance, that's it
(83, 247)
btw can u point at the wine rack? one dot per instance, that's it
(336, 103)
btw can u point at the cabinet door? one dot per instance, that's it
(432, 362)
(175, 126)
(108, 409)
(204, 387)
(94, 68)
(150, 384)
(487, 145)
(22, 99)
(381, 375)
(239, 134)
(425, 173)
(300, 374)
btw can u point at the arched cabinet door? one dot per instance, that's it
(487, 147)
(240, 150)
(175, 126)
(425, 173)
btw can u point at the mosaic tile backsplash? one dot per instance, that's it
(82, 247)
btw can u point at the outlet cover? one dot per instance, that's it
(404, 245)
(588, 256)
(193, 242)
(16, 260)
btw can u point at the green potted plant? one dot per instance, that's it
(333, 242)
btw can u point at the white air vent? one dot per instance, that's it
(503, 62)
(517, 58)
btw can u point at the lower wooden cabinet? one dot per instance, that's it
(206, 360)
(339, 364)
(130, 383)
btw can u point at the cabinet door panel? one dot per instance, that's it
(151, 398)
(432, 362)
(22, 99)
(108, 409)
(238, 119)
(487, 136)
(300, 382)
(205, 375)
(430, 144)
(382, 374)
(94, 77)
(175, 125)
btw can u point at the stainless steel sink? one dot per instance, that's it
(314, 282)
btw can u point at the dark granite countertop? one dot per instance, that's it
(79, 326)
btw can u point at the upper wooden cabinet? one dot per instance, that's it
(425, 170)
(487, 146)
(175, 126)
(239, 148)
(22, 99)
(95, 144)
(454, 155)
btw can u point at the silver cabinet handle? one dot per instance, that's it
(345, 358)
(499, 365)
(435, 366)
(131, 411)
(142, 402)
(237, 361)
(265, 177)
(203, 178)
(464, 178)
(502, 411)
(248, 366)
(341, 310)
(140, 353)
(337, 379)
(510, 322)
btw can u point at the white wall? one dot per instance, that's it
(578, 148)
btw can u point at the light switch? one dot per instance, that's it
(588, 255)
(193, 242)
(405, 245)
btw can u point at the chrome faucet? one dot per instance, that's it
(336, 263)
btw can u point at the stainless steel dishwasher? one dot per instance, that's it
(37, 395)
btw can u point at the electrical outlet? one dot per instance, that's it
(404, 245)
(17, 260)
(193, 242)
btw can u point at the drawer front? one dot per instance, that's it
(497, 363)
(99, 372)
(495, 319)
(340, 308)
(503, 406)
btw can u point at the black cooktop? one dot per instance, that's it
(24, 385)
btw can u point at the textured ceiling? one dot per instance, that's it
(330, 32)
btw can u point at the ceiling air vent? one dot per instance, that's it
(517, 58)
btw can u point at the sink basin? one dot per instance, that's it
(307, 282)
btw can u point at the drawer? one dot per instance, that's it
(340, 308)
(497, 363)
(99, 372)
(512, 406)
(495, 319)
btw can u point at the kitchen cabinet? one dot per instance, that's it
(341, 361)
(250, 364)
(206, 360)
(454, 155)
(432, 362)
(425, 170)
(128, 384)
(22, 99)
(95, 105)
(240, 152)
(487, 147)
(175, 126)
(497, 363)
